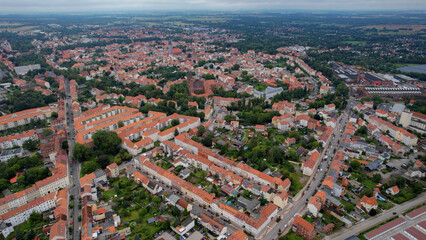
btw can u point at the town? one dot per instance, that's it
(120, 131)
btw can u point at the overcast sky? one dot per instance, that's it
(16, 6)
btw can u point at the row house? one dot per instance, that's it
(21, 214)
(25, 117)
(254, 224)
(398, 133)
(17, 139)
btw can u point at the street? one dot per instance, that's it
(288, 214)
(74, 189)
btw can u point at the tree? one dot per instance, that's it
(120, 124)
(201, 131)
(19, 235)
(176, 132)
(65, 145)
(30, 145)
(123, 155)
(81, 152)
(54, 115)
(175, 122)
(377, 178)
(185, 212)
(275, 154)
(355, 165)
(47, 132)
(292, 155)
(103, 161)
(208, 141)
(106, 141)
(89, 167)
(230, 118)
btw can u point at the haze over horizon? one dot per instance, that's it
(27, 6)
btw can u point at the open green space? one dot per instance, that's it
(135, 206)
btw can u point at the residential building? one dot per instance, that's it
(303, 228)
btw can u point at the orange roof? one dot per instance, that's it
(395, 189)
(112, 166)
(238, 235)
(87, 179)
(300, 222)
(268, 209)
(58, 230)
(369, 200)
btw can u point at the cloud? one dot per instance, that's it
(231, 5)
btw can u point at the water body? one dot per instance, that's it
(416, 69)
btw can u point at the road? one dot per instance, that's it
(287, 216)
(74, 189)
(373, 221)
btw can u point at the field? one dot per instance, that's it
(397, 29)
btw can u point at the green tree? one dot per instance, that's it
(81, 152)
(89, 167)
(292, 155)
(120, 124)
(123, 155)
(176, 132)
(355, 165)
(30, 145)
(175, 122)
(208, 141)
(106, 141)
(230, 118)
(201, 131)
(377, 178)
(54, 115)
(103, 161)
(275, 154)
(47, 132)
(65, 145)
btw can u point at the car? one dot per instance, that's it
(71, 222)
(394, 213)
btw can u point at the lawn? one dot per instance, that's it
(291, 236)
(349, 207)
(369, 184)
(296, 184)
(108, 195)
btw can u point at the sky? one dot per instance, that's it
(28, 6)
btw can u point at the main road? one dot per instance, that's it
(299, 204)
(74, 189)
